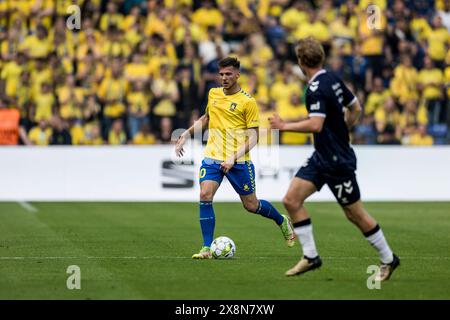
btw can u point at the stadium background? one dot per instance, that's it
(139, 69)
(136, 70)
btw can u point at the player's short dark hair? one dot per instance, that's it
(310, 52)
(230, 61)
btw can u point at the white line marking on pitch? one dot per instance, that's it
(27, 206)
(173, 257)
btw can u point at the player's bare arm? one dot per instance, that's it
(198, 125)
(309, 125)
(352, 114)
(253, 134)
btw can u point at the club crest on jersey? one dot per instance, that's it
(314, 85)
(233, 106)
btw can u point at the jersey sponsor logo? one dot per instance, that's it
(233, 106)
(315, 106)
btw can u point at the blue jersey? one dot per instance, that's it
(326, 97)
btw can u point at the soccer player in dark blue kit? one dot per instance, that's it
(332, 110)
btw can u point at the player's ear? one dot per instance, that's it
(238, 74)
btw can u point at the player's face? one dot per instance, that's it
(228, 76)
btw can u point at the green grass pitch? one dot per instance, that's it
(143, 250)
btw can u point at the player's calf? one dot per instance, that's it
(359, 216)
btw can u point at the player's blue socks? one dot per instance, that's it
(207, 222)
(266, 209)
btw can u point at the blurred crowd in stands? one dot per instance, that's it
(136, 70)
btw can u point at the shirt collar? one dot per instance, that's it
(318, 73)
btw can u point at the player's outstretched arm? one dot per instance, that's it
(198, 125)
(352, 114)
(308, 125)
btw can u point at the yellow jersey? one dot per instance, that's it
(292, 17)
(384, 117)
(372, 40)
(113, 89)
(375, 101)
(44, 106)
(432, 81)
(207, 18)
(11, 75)
(77, 133)
(40, 137)
(141, 138)
(417, 139)
(115, 138)
(229, 118)
(438, 39)
(37, 48)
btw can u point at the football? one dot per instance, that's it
(223, 248)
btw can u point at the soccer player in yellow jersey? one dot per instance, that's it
(232, 117)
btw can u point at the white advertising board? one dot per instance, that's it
(148, 173)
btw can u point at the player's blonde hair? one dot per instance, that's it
(310, 52)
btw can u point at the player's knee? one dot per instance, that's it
(291, 203)
(251, 206)
(206, 195)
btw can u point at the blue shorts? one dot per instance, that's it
(342, 183)
(241, 175)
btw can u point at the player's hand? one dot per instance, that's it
(179, 150)
(276, 122)
(226, 166)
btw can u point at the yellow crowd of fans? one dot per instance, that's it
(135, 70)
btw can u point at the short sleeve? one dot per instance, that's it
(315, 104)
(252, 114)
(348, 97)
